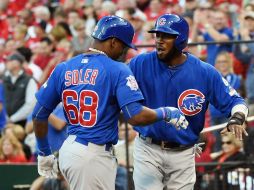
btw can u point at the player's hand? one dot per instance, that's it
(175, 117)
(236, 125)
(198, 149)
(48, 166)
(237, 130)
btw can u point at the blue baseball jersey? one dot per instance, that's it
(189, 87)
(93, 89)
(3, 113)
(235, 82)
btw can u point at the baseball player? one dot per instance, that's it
(94, 87)
(163, 156)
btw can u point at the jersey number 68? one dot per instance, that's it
(78, 105)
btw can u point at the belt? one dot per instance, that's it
(108, 146)
(165, 145)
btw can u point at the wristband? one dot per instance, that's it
(237, 118)
(160, 112)
(43, 146)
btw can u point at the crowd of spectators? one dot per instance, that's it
(36, 35)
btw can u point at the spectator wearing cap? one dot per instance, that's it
(245, 53)
(19, 90)
(215, 28)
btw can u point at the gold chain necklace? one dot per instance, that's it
(97, 51)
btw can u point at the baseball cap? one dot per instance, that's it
(249, 14)
(17, 57)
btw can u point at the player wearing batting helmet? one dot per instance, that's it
(94, 87)
(169, 76)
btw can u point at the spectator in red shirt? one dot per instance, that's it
(11, 150)
(43, 53)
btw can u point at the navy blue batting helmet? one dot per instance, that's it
(114, 27)
(175, 25)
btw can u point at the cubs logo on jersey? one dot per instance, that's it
(190, 102)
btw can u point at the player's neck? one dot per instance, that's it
(176, 60)
(97, 51)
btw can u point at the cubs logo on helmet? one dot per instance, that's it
(162, 21)
(175, 25)
(190, 102)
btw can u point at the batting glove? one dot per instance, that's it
(175, 117)
(48, 166)
(198, 149)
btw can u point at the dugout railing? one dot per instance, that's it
(235, 175)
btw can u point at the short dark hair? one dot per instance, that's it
(47, 39)
(26, 52)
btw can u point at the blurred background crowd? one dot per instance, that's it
(36, 35)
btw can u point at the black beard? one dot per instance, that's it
(173, 53)
(122, 58)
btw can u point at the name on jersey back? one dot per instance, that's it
(77, 77)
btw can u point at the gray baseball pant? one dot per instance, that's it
(87, 167)
(159, 169)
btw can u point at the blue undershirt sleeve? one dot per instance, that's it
(135, 108)
(40, 113)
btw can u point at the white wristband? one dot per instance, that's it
(240, 108)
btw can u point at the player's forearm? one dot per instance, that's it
(40, 123)
(1, 107)
(145, 117)
(40, 128)
(41, 131)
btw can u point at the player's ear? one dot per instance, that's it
(114, 42)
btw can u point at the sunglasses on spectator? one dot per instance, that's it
(226, 142)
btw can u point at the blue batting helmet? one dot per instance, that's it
(175, 25)
(114, 27)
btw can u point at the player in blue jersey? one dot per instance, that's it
(163, 156)
(3, 115)
(94, 87)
